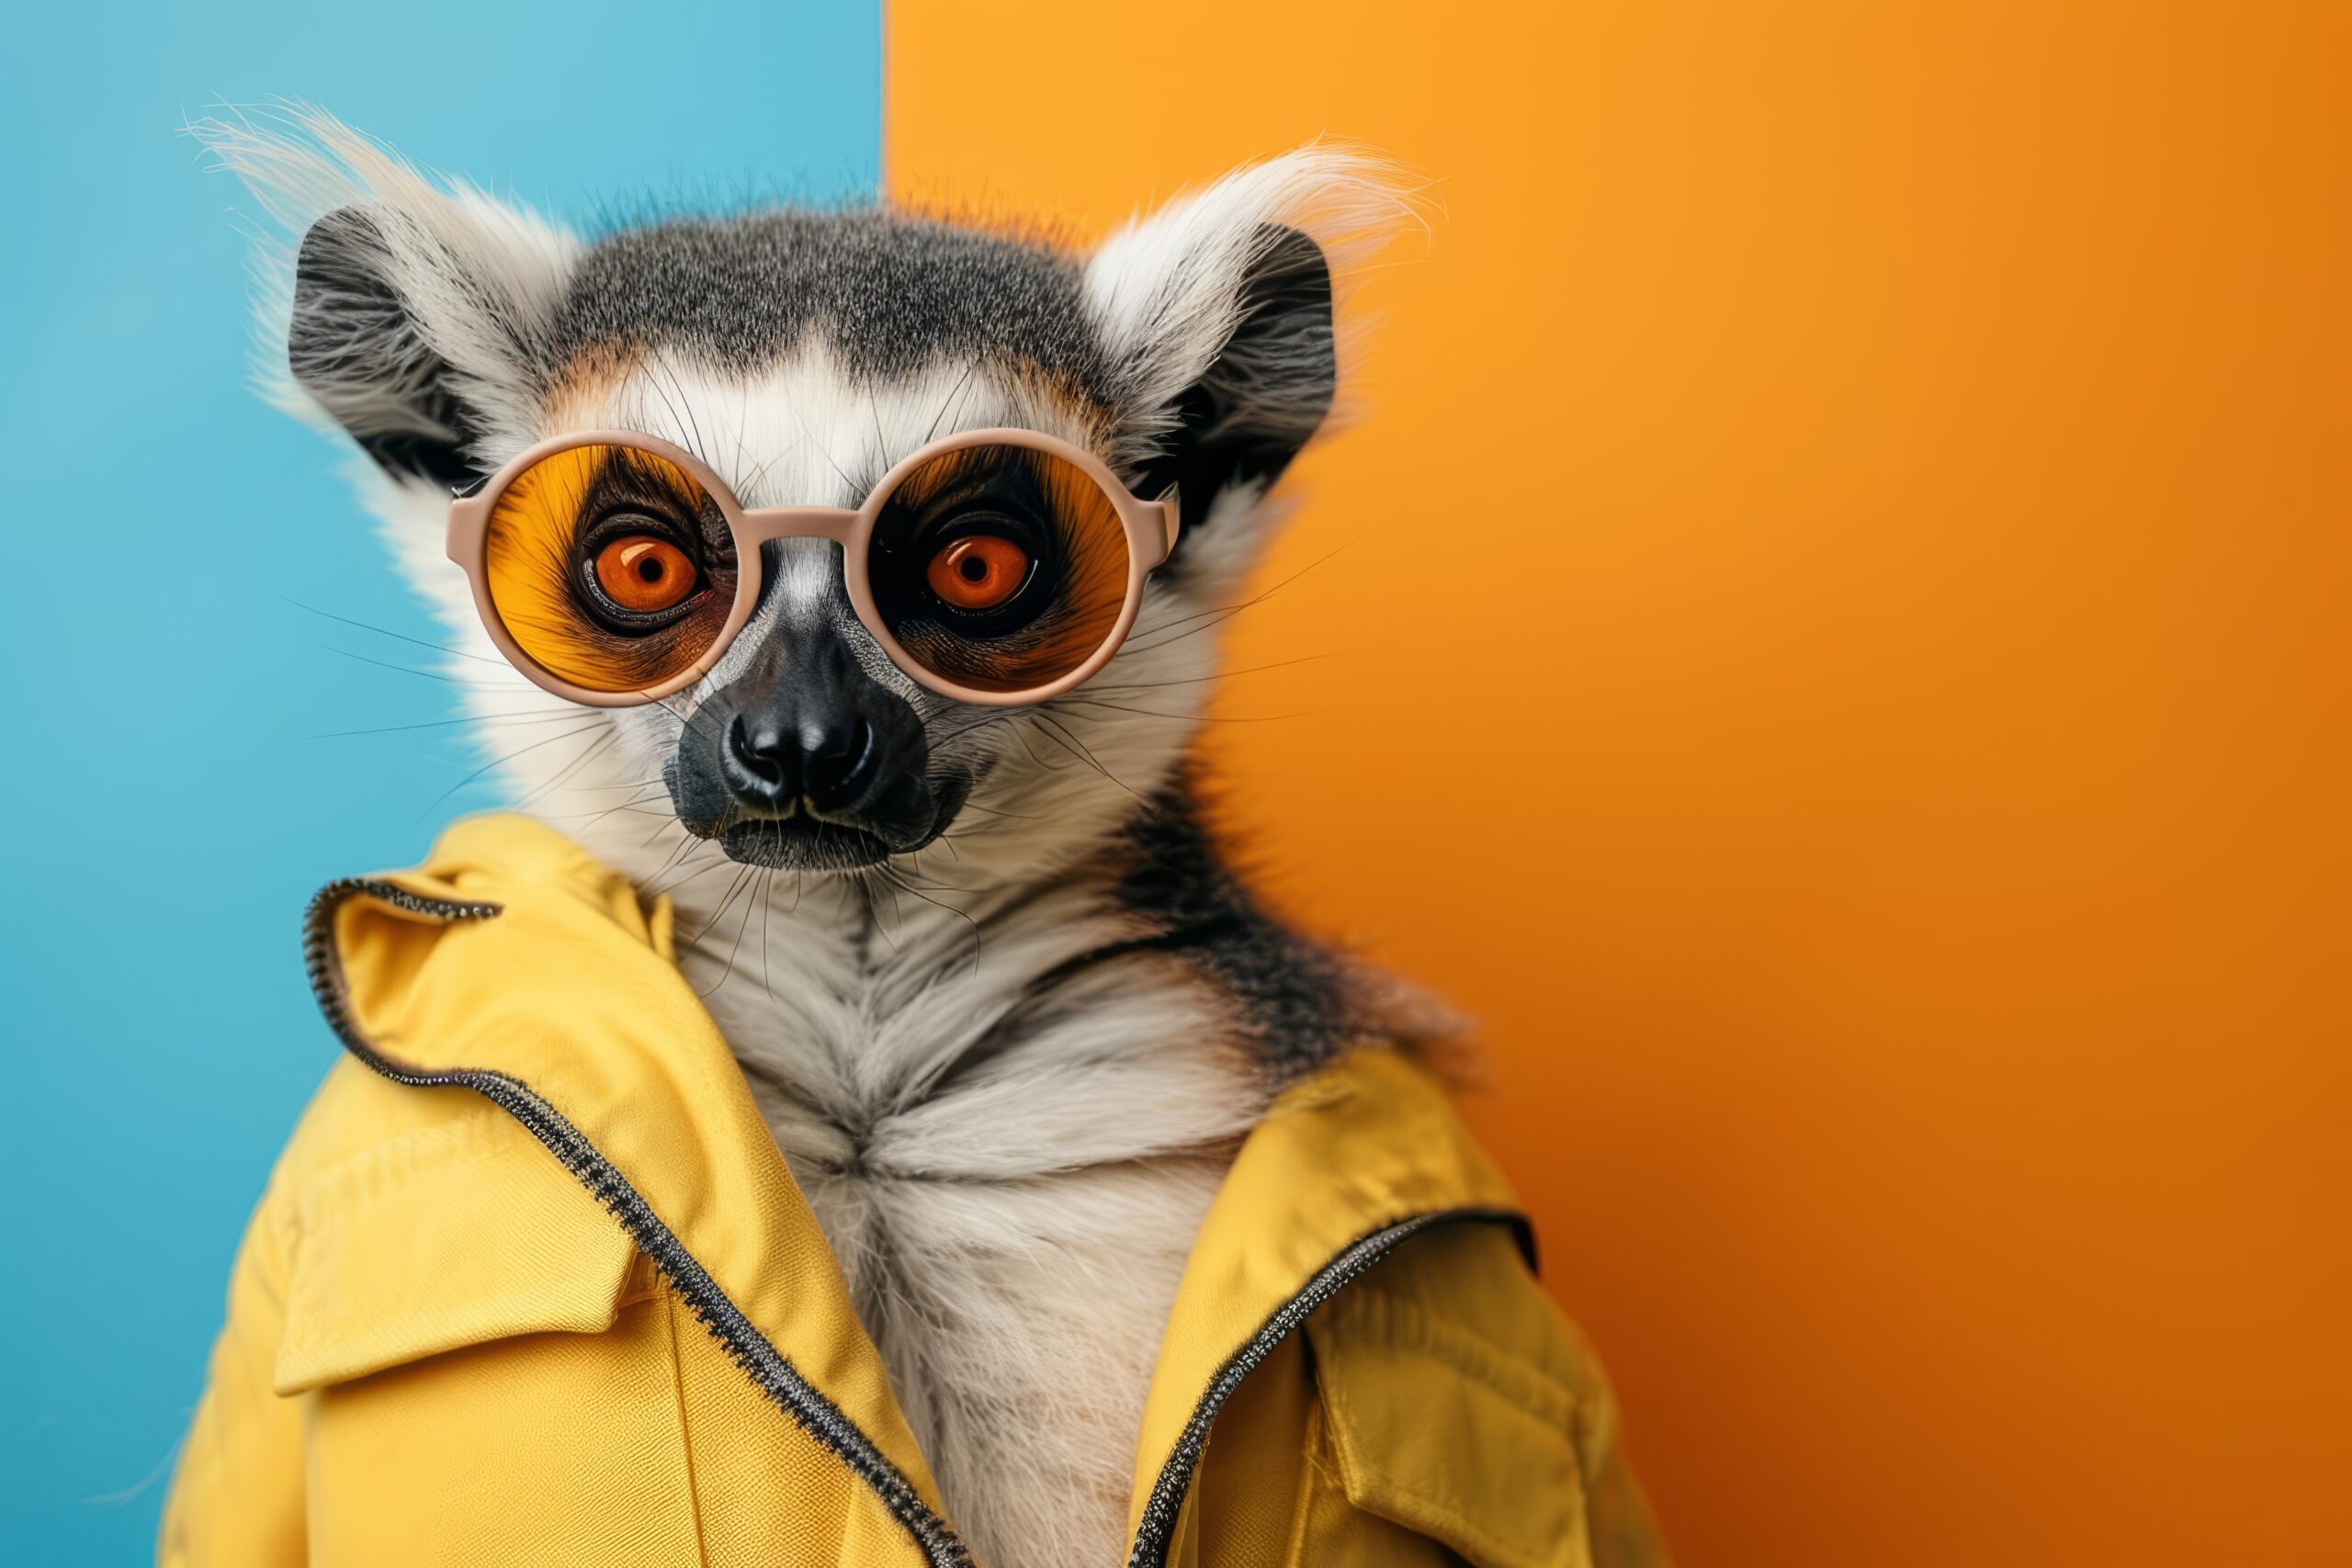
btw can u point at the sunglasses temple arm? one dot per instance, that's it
(468, 522)
(1170, 522)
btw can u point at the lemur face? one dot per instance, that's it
(800, 355)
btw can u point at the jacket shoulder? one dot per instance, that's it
(359, 1114)
(379, 1176)
(1461, 1401)
(1463, 1295)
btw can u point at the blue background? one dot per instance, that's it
(167, 812)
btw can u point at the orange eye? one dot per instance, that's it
(978, 571)
(645, 575)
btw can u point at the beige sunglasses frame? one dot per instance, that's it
(1151, 527)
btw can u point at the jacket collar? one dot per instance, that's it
(513, 958)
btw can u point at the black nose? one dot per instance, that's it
(830, 759)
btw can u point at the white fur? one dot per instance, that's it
(1011, 1187)
(1012, 1231)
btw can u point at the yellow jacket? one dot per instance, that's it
(531, 1284)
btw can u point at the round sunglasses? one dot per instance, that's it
(999, 567)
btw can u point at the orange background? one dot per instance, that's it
(1840, 664)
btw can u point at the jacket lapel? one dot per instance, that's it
(573, 993)
(1347, 1164)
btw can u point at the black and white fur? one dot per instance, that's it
(1010, 1063)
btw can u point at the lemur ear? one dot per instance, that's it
(1217, 315)
(1266, 390)
(410, 308)
(356, 345)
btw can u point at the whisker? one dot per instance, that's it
(499, 762)
(938, 904)
(995, 811)
(666, 892)
(1226, 612)
(687, 844)
(742, 876)
(516, 685)
(403, 636)
(1070, 702)
(1202, 679)
(756, 881)
(610, 736)
(536, 716)
(767, 914)
(948, 401)
(1060, 733)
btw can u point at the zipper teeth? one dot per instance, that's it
(1154, 1531)
(744, 1344)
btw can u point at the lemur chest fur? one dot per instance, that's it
(1011, 1157)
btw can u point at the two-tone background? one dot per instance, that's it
(1836, 656)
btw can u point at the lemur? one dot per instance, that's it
(1005, 1007)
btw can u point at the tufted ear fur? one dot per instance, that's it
(410, 311)
(1217, 311)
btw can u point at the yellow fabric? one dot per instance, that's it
(441, 1348)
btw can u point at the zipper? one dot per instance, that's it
(1155, 1532)
(745, 1346)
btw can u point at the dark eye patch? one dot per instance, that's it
(1066, 531)
(632, 481)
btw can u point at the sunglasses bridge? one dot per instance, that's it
(763, 525)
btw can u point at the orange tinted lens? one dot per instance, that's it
(999, 567)
(610, 566)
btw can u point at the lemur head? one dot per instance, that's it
(799, 355)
